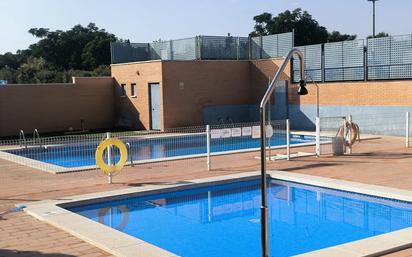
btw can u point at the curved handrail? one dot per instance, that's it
(282, 67)
(22, 137)
(36, 135)
(265, 99)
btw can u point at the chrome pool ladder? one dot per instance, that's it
(22, 139)
(36, 135)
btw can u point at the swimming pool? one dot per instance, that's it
(83, 154)
(223, 220)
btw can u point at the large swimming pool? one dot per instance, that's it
(83, 154)
(223, 221)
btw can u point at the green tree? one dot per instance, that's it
(307, 29)
(60, 55)
(380, 34)
(83, 48)
(336, 36)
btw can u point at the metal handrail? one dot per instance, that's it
(129, 151)
(36, 135)
(22, 138)
(265, 99)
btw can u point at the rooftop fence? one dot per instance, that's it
(373, 59)
(204, 48)
(355, 60)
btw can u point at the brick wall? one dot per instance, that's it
(191, 86)
(57, 107)
(133, 112)
(187, 87)
(390, 93)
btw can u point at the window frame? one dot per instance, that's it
(123, 92)
(133, 92)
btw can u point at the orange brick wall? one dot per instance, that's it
(134, 112)
(371, 93)
(187, 87)
(261, 72)
(190, 86)
(57, 107)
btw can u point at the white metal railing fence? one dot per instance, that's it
(330, 135)
(69, 153)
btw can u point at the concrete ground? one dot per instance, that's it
(384, 161)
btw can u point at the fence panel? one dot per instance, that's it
(256, 48)
(313, 62)
(129, 52)
(390, 57)
(160, 51)
(271, 46)
(183, 49)
(344, 61)
(223, 48)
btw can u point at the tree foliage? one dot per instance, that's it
(380, 34)
(60, 55)
(307, 29)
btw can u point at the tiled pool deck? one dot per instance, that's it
(382, 162)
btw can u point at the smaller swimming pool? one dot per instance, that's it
(83, 154)
(224, 220)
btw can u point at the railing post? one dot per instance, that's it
(238, 48)
(171, 50)
(344, 133)
(288, 139)
(350, 134)
(209, 164)
(408, 117)
(317, 122)
(322, 63)
(109, 157)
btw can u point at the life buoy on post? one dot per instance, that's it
(110, 169)
(354, 133)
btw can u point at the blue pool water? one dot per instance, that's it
(223, 221)
(78, 155)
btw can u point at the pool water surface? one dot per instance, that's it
(224, 220)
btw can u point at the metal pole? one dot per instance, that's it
(408, 115)
(270, 123)
(208, 147)
(317, 98)
(109, 158)
(344, 134)
(317, 122)
(288, 139)
(262, 108)
(350, 134)
(374, 19)
(263, 209)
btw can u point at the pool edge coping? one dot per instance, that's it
(121, 244)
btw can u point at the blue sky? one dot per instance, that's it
(148, 20)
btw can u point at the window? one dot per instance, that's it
(123, 93)
(133, 90)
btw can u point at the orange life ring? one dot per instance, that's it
(125, 216)
(354, 133)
